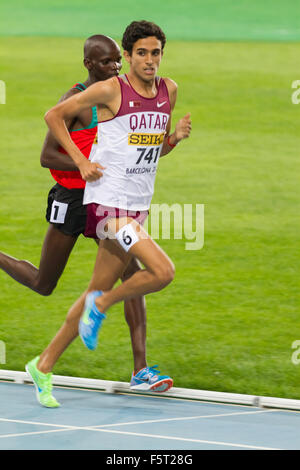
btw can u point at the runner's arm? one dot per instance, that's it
(56, 118)
(51, 156)
(183, 126)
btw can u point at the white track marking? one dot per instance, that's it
(200, 441)
(152, 436)
(182, 418)
(36, 432)
(65, 428)
(39, 423)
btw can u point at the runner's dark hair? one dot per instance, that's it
(140, 30)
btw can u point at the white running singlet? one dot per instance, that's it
(129, 147)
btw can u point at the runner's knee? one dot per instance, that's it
(165, 274)
(44, 289)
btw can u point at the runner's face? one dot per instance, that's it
(145, 58)
(105, 61)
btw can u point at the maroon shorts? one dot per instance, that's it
(98, 215)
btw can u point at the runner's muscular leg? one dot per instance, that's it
(55, 253)
(110, 264)
(135, 315)
(158, 273)
(63, 338)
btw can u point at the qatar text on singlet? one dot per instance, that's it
(129, 146)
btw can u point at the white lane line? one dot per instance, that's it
(37, 423)
(162, 420)
(200, 441)
(153, 436)
(36, 432)
(69, 426)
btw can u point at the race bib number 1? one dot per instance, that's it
(58, 212)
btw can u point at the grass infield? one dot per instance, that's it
(228, 320)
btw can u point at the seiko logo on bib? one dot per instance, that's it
(145, 139)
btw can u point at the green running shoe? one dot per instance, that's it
(43, 384)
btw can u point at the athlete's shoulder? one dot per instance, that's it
(107, 89)
(71, 92)
(171, 85)
(172, 90)
(110, 83)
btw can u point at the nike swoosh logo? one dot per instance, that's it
(139, 380)
(159, 105)
(36, 379)
(147, 379)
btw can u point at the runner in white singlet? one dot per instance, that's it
(133, 132)
(129, 146)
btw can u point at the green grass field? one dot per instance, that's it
(208, 20)
(228, 320)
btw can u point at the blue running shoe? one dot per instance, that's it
(91, 321)
(148, 379)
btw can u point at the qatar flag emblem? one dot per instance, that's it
(135, 104)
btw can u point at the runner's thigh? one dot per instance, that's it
(135, 241)
(110, 264)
